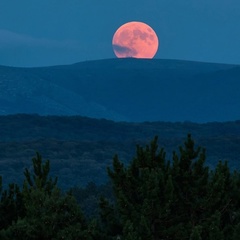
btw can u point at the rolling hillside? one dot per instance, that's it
(80, 149)
(125, 90)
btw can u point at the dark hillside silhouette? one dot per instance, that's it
(125, 89)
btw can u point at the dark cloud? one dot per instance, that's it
(126, 51)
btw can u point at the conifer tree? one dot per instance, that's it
(196, 233)
(40, 178)
(49, 214)
(190, 178)
(11, 205)
(129, 232)
(156, 199)
(110, 224)
(144, 193)
(236, 232)
(214, 228)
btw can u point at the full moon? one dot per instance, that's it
(136, 40)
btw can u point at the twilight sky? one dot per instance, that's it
(53, 32)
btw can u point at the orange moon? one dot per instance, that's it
(136, 40)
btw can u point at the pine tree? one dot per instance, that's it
(130, 233)
(236, 232)
(196, 233)
(110, 222)
(215, 231)
(159, 200)
(190, 180)
(40, 177)
(49, 214)
(144, 193)
(11, 205)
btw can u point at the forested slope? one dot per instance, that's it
(81, 148)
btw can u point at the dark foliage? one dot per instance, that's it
(81, 148)
(151, 198)
(48, 213)
(181, 199)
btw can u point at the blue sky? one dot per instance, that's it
(53, 32)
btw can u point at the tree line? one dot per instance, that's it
(153, 198)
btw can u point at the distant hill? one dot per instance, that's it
(80, 148)
(125, 90)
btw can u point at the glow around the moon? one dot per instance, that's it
(135, 39)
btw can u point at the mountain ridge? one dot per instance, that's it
(125, 60)
(125, 90)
